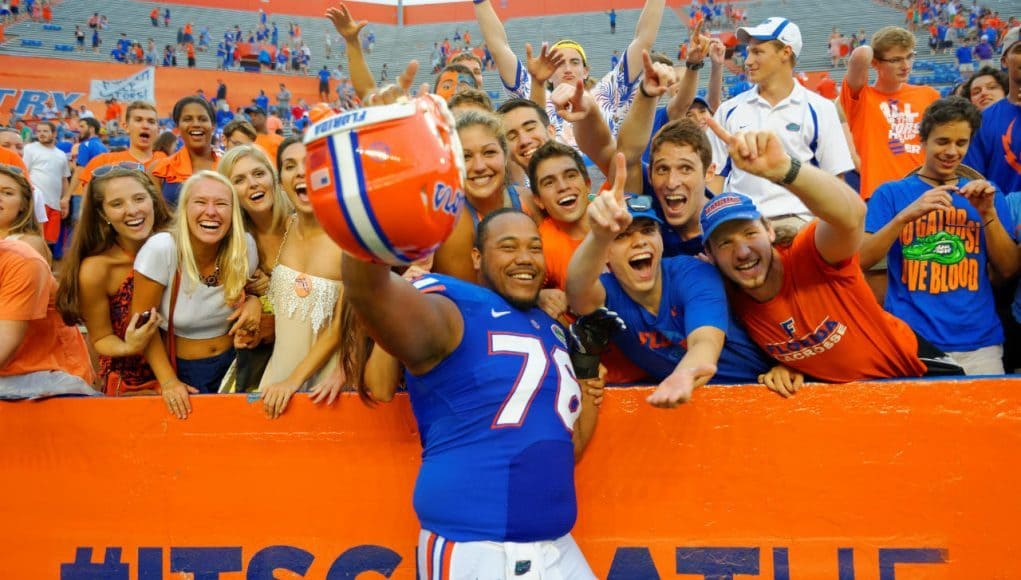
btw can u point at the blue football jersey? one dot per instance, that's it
(496, 418)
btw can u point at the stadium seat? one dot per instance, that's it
(31, 42)
(52, 27)
(63, 47)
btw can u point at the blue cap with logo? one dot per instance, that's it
(724, 208)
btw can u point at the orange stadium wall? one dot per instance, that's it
(27, 82)
(869, 481)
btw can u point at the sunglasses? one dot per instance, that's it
(13, 168)
(129, 165)
(638, 202)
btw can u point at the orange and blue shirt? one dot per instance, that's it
(995, 150)
(172, 172)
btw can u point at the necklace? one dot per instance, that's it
(937, 180)
(214, 278)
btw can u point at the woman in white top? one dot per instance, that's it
(305, 290)
(208, 258)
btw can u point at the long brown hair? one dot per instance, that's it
(94, 235)
(25, 222)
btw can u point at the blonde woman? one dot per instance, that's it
(200, 267)
(305, 291)
(17, 212)
(266, 210)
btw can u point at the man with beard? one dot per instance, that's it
(49, 170)
(142, 124)
(89, 147)
(678, 327)
(495, 493)
(807, 304)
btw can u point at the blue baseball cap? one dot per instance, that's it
(640, 206)
(724, 208)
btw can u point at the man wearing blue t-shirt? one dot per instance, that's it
(89, 146)
(679, 328)
(996, 149)
(938, 229)
(324, 84)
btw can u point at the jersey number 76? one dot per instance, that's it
(534, 367)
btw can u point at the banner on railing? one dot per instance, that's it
(140, 86)
(869, 481)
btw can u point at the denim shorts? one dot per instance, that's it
(205, 374)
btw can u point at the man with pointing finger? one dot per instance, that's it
(807, 304)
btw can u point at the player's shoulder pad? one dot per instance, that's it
(449, 286)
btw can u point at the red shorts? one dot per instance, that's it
(51, 229)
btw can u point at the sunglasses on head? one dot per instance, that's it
(13, 168)
(639, 202)
(129, 165)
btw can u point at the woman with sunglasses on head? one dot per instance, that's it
(194, 119)
(305, 291)
(266, 210)
(17, 210)
(195, 274)
(120, 211)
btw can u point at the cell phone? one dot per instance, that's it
(144, 317)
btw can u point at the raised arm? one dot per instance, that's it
(839, 209)
(385, 304)
(608, 217)
(717, 56)
(349, 29)
(591, 133)
(541, 67)
(858, 69)
(495, 36)
(636, 129)
(687, 86)
(645, 34)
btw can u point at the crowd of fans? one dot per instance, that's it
(778, 236)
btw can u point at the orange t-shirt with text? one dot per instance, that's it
(28, 293)
(885, 131)
(825, 321)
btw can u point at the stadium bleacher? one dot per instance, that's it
(395, 45)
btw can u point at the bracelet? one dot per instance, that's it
(641, 88)
(792, 172)
(991, 220)
(694, 65)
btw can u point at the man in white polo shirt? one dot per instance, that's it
(806, 122)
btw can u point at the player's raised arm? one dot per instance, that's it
(495, 36)
(348, 28)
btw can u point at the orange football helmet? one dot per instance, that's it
(387, 183)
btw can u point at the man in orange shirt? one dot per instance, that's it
(113, 113)
(884, 117)
(807, 305)
(39, 354)
(142, 125)
(269, 142)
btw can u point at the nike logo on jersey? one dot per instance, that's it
(498, 314)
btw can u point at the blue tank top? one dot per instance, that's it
(515, 202)
(496, 418)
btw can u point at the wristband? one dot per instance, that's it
(478, 1)
(792, 173)
(641, 88)
(991, 220)
(694, 65)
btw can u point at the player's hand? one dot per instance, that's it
(657, 78)
(345, 24)
(608, 214)
(553, 301)
(175, 396)
(782, 380)
(569, 100)
(591, 333)
(937, 198)
(759, 153)
(543, 66)
(981, 194)
(676, 389)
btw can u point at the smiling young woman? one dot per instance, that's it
(196, 274)
(120, 211)
(194, 117)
